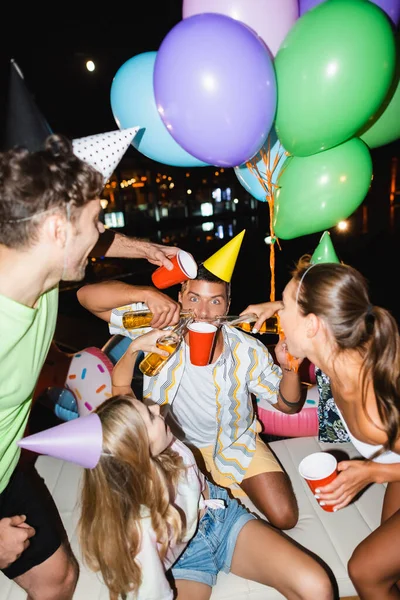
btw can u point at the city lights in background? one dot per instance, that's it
(206, 209)
(90, 66)
(343, 226)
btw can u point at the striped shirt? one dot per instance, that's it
(245, 368)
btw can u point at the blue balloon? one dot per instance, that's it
(133, 103)
(249, 180)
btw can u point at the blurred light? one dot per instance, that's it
(209, 82)
(216, 194)
(114, 219)
(235, 201)
(220, 232)
(164, 211)
(171, 185)
(138, 184)
(143, 179)
(324, 179)
(230, 230)
(187, 174)
(228, 193)
(343, 178)
(209, 226)
(188, 191)
(332, 69)
(103, 203)
(206, 209)
(216, 173)
(343, 226)
(90, 65)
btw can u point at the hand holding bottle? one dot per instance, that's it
(165, 311)
(148, 342)
(264, 311)
(168, 344)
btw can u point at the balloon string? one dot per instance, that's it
(265, 179)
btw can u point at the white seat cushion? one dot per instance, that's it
(332, 536)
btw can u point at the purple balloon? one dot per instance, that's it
(215, 88)
(390, 7)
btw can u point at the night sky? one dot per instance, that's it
(75, 102)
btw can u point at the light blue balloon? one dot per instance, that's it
(133, 103)
(249, 180)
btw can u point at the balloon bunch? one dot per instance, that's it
(292, 94)
(208, 95)
(338, 96)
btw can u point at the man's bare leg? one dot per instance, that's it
(53, 579)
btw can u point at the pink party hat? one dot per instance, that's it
(79, 441)
(104, 151)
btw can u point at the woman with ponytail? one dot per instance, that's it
(327, 316)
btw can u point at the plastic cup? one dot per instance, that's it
(319, 469)
(185, 267)
(201, 339)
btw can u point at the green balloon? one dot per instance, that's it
(386, 128)
(316, 192)
(334, 70)
(324, 252)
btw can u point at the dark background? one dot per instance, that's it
(76, 103)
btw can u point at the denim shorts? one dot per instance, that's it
(211, 549)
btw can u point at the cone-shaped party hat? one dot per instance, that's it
(104, 151)
(324, 252)
(79, 441)
(222, 263)
(25, 125)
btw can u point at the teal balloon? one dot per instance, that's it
(249, 180)
(318, 191)
(334, 70)
(133, 103)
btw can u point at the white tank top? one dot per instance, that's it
(368, 450)
(194, 409)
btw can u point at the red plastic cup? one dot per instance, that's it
(185, 267)
(319, 469)
(201, 339)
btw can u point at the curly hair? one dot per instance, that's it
(32, 183)
(126, 479)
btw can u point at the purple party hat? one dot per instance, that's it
(79, 441)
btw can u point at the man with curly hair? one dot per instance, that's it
(49, 224)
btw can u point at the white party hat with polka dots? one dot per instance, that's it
(104, 151)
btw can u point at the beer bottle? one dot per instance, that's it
(245, 323)
(152, 363)
(135, 319)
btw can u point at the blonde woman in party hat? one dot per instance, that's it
(211, 406)
(151, 523)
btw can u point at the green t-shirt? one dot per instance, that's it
(25, 337)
